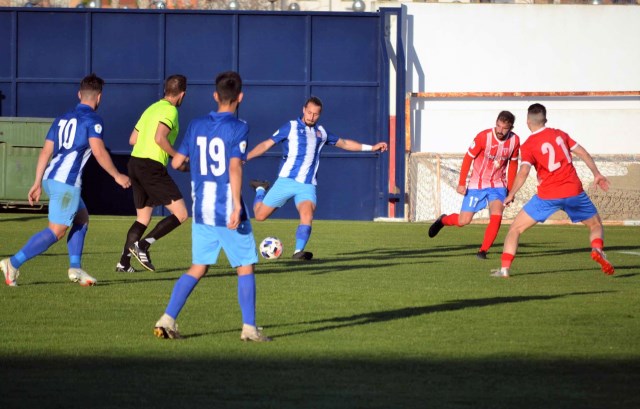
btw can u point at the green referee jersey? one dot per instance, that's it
(146, 146)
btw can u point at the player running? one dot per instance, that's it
(216, 145)
(152, 139)
(549, 151)
(491, 152)
(71, 140)
(302, 140)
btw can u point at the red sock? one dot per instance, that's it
(507, 259)
(491, 232)
(597, 244)
(450, 220)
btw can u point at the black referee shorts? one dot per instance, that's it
(151, 183)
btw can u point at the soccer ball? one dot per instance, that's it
(271, 248)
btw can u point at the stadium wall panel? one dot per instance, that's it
(283, 58)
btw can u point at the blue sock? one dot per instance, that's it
(260, 194)
(75, 244)
(181, 292)
(247, 298)
(37, 244)
(302, 236)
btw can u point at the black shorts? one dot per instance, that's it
(151, 183)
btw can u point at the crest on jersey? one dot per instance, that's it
(98, 128)
(243, 146)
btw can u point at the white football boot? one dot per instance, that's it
(502, 273)
(78, 275)
(166, 328)
(251, 333)
(10, 273)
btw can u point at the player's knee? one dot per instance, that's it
(182, 217)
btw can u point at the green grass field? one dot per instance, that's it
(383, 317)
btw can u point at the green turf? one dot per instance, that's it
(383, 317)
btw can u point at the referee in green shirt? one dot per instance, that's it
(152, 139)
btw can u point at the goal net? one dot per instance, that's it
(433, 178)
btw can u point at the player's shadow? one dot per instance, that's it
(409, 312)
(386, 252)
(545, 251)
(375, 317)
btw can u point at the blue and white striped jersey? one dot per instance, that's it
(301, 146)
(210, 142)
(70, 134)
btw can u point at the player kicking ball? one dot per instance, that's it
(491, 152)
(302, 141)
(549, 151)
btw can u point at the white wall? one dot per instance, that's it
(457, 47)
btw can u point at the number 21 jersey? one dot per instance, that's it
(548, 150)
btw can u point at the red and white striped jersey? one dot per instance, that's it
(491, 157)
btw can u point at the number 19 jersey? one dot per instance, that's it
(548, 150)
(210, 142)
(70, 135)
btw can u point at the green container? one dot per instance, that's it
(21, 140)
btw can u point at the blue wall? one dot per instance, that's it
(282, 57)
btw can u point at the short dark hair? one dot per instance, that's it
(506, 116)
(91, 85)
(175, 84)
(537, 113)
(315, 101)
(228, 86)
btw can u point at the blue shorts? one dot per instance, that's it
(286, 188)
(64, 201)
(578, 207)
(239, 245)
(478, 199)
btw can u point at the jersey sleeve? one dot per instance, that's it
(476, 146)
(186, 141)
(169, 116)
(527, 154)
(239, 148)
(332, 139)
(571, 144)
(95, 126)
(51, 135)
(516, 148)
(282, 133)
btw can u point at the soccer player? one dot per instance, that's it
(216, 146)
(302, 140)
(71, 140)
(491, 152)
(152, 140)
(549, 151)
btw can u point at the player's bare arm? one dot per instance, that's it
(133, 138)
(235, 181)
(351, 145)
(162, 139)
(104, 160)
(43, 159)
(521, 177)
(260, 148)
(599, 180)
